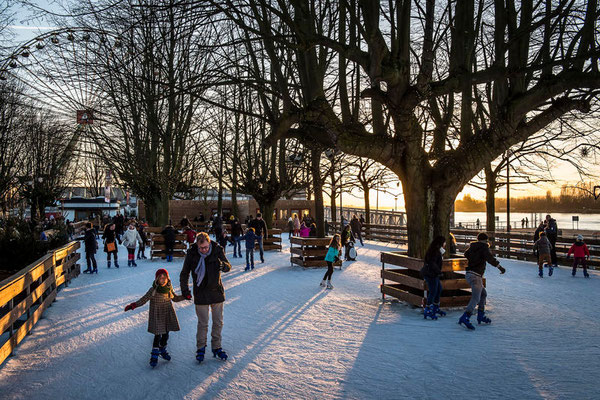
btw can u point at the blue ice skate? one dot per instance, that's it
(200, 354)
(164, 354)
(464, 319)
(482, 318)
(220, 353)
(437, 311)
(154, 357)
(428, 312)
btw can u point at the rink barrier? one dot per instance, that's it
(25, 295)
(517, 246)
(310, 252)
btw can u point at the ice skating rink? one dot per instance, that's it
(288, 338)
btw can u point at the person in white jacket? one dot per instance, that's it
(130, 239)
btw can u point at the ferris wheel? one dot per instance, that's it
(59, 72)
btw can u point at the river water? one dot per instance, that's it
(586, 221)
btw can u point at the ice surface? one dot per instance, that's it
(289, 338)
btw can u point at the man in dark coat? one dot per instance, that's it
(205, 260)
(91, 245)
(260, 228)
(552, 234)
(356, 228)
(478, 255)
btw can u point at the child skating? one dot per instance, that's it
(251, 239)
(130, 239)
(543, 248)
(161, 316)
(333, 254)
(580, 251)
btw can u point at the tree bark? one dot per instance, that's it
(315, 156)
(333, 195)
(266, 209)
(157, 210)
(490, 199)
(367, 206)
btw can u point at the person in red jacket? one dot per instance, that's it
(580, 252)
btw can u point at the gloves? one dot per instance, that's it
(569, 256)
(502, 269)
(131, 306)
(188, 296)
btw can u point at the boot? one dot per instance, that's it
(428, 312)
(585, 273)
(247, 268)
(133, 264)
(329, 285)
(108, 263)
(220, 353)
(482, 318)
(541, 272)
(436, 310)
(464, 319)
(116, 264)
(87, 271)
(164, 354)
(550, 270)
(129, 263)
(574, 271)
(323, 283)
(154, 357)
(200, 354)
(95, 271)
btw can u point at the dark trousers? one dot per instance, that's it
(260, 248)
(434, 289)
(141, 250)
(250, 257)
(114, 253)
(169, 248)
(329, 272)
(90, 259)
(160, 340)
(359, 235)
(237, 245)
(576, 262)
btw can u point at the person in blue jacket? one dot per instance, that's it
(251, 239)
(431, 272)
(333, 254)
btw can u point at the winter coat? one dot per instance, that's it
(355, 225)
(251, 239)
(313, 231)
(110, 236)
(217, 226)
(236, 229)
(347, 237)
(478, 254)
(190, 236)
(432, 267)
(210, 290)
(579, 250)
(143, 235)
(552, 230)
(161, 317)
(296, 223)
(332, 254)
(91, 244)
(169, 235)
(131, 237)
(543, 245)
(260, 227)
(290, 225)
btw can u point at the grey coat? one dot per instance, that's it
(543, 245)
(161, 317)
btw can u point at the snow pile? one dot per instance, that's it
(289, 338)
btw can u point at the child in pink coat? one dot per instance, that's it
(580, 252)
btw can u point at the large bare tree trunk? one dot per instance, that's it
(490, 199)
(315, 156)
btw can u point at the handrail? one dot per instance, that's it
(25, 295)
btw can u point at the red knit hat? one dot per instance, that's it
(161, 271)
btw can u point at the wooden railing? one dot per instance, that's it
(507, 245)
(25, 295)
(79, 228)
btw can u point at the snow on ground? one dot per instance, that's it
(288, 338)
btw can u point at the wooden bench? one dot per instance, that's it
(410, 287)
(310, 252)
(157, 243)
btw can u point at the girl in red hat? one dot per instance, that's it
(161, 318)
